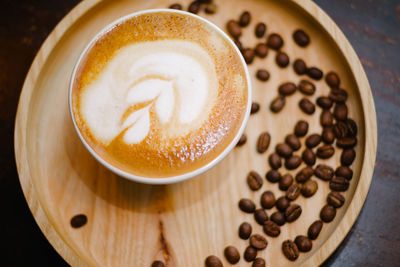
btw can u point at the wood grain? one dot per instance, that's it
(131, 223)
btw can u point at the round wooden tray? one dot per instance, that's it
(132, 224)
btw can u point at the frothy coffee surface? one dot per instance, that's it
(160, 94)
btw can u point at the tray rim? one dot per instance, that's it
(73, 258)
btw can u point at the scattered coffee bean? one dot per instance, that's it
(194, 7)
(258, 262)
(273, 176)
(303, 243)
(301, 128)
(213, 261)
(271, 229)
(304, 174)
(248, 55)
(347, 142)
(345, 172)
(327, 213)
(275, 41)
(293, 142)
(282, 203)
(352, 128)
(267, 200)
(328, 136)
(277, 104)
(290, 250)
(211, 8)
(340, 112)
(232, 254)
(287, 88)
(326, 118)
(278, 217)
(307, 106)
(314, 230)
(244, 19)
(274, 161)
(258, 242)
(339, 184)
(340, 129)
(157, 264)
(292, 213)
(299, 66)
(335, 199)
(325, 151)
(332, 79)
(338, 95)
(239, 45)
(242, 140)
(315, 73)
(254, 180)
(324, 102)
(234, 29)
(284, 150)
(309, 188)
(301, 38)
(260, 215)
(324, 172)
(313, 140)
(285, 182)
(347, 157)
(176, 6)
(306, 87)
(308, 157)
(263, 142)
(293, 162)
(78, 220)
(255, 107)
(260, 29)
(262, 75)
(282, 59)
(261, 50)
(293, 192)
(247, 205)
(245, 230)
(250, 254)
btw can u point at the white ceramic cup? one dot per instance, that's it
(177, 178)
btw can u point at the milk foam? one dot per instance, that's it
(173, 79)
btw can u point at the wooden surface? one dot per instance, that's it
(378, 113)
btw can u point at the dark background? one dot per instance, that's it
(373, 28)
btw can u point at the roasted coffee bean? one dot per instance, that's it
(309, 188)
(194, 7)
(328, 136)
(293, 192)
(313, 140)
(324, 102)
(282, 203)
(277, 104)
(213, 261)
(299, 66)
(176, 6)
(261, 50)
(293, 162)
(301, 128)
(324, 172)
(327, 213)
(325, 151)
(306, 87)
(326, 118)
(211, 8)
(260, 215)
(335, 199)
(301, 38)
(314, 230)
(78, 220)
(292, 213)
(254, 180)
(345, 172)
(284, 150)
(157, 264)
(285, 182)
(347, 157)
(315, 73)
(304, 174)
(293, 142)
(263, 142)
(338, 95)
(244, 19)
(274, 161)
(267, 200)
(340, 129)
(234, 29)
(287, 88)
(245, 230)
(258, 262)
(258, 242)
(332, 79)
(260, 30)
(272, 229)
(347, 142)
(275, 41)
(250, 254)
(290, 250)
(242, 140)
(248, 55)
(282, 59)
(232, 255)
(262, 75)
(340, 112)
(247, 205)
(278, 217)
(273, 176)
(239, 45)
(255, 107)
(303, 243)
(307, 106)
(339, 184)
(352, 128)
(308, 157)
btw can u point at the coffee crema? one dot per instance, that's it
(159, 94)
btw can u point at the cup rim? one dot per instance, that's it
(176, 178)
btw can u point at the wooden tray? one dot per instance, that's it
(132, 224)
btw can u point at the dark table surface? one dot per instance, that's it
(373, 28)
